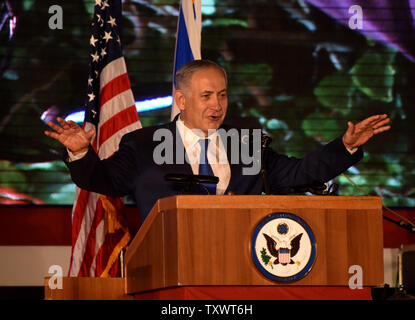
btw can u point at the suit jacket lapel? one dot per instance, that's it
(183, 165)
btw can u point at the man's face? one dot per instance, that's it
(204, 103)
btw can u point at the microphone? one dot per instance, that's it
(317, 189)
(265, 140)
(191, 179)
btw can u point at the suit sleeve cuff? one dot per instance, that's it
(351, 151)
(73, 157)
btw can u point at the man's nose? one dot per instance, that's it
(217, 103)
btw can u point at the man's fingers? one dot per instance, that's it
(61, 121)
(90, 133)
(373, 120)
(378, 117)
(351, 128)
(382, 129)
(65, 125)
(72, 124)
(370, 120)
(55, 127)
(381, 123)
(51, 134)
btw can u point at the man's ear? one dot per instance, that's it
(180, 99)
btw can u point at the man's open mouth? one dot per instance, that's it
(214, 117)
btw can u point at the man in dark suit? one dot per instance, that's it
(139, 166)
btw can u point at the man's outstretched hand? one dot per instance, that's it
(71, 135)
(360, 133)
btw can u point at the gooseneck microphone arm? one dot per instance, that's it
(265, 141)
(192, 179)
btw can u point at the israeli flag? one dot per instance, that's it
(188, 39)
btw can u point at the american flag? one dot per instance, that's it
(99, 232)
(188, 39)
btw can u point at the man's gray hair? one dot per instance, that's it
(184, 74)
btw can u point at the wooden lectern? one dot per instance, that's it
(205, 241)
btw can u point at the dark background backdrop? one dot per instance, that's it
(295, 68)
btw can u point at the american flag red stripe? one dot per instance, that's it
(121, 120)
(79, 207)
(89, 254)
(110, 109)
(115, 87)
(85, 214)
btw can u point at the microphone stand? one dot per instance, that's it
(401, 293)
(409, 227)
(401, 224)
(202, 185)
(265, 141)
(188, 185)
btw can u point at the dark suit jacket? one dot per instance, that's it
(131, 170)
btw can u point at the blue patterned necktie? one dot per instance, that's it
(204, 166)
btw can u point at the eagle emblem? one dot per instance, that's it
(283, 247)
(282, 250)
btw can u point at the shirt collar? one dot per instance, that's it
(191, 137)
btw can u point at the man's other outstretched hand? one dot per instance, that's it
(71, 135)
(360, 133)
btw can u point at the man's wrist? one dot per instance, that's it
(350, 148)
(82, 151)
